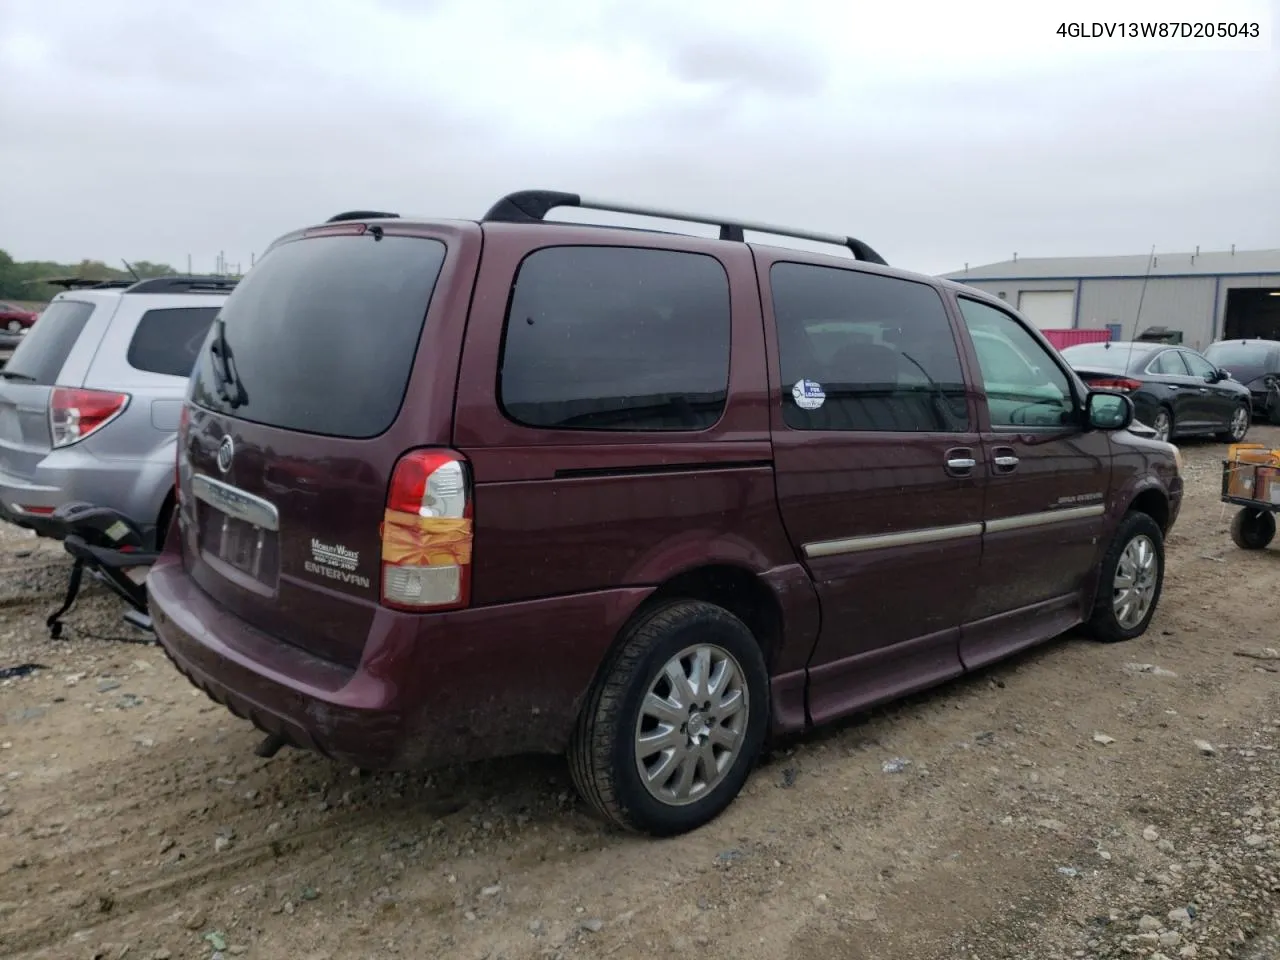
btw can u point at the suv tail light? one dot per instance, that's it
(1123, 384)
(76, 413)
(427, 533)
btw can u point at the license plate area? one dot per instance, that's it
(245, 547)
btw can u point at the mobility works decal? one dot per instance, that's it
(336, 562)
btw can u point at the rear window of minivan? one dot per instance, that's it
(321, 334)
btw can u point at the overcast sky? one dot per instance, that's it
(154, 129)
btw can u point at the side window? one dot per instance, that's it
(1169, 363)
(1198, 365)
(860, 351)
(168, 340)
(1024, 386)
(616, 338)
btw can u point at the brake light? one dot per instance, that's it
(1123, 384)
(76, 413)
(427, 533)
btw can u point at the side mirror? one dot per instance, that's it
(1108, 411)
(1224, 374)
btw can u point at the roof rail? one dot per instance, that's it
(362, 215)
(83, 283)
(532, 206)
(183, 285)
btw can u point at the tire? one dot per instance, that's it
(1253, 529)
(1107, 623)
(603, 753)
(1163, 423)
(1239, 425)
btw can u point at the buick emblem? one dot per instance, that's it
(226, 450)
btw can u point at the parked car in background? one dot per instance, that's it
(15, 319)
(1256, 364)
(634, 496)
(1175, 391)
(90, 400)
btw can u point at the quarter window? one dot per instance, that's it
(1024, 386)
(168, 341)
(1169, 364)
(617, 338)
(859, 351)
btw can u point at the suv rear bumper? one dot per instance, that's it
(430, 689)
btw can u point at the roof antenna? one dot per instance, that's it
(1137, 320)
(130, 269)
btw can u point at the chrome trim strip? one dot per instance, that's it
(879, 541)
(909, 538)
(235, 502)
(1026, 521)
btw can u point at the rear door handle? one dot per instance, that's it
(962, 463)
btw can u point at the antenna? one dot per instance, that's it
(130, 269)
(1137, 320)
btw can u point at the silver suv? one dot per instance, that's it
(90, 400)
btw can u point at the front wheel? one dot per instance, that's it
(675, 722)
(1238, 425)
(1130, 581)
(1253, 529)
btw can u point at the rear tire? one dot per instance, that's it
(1239, 425)
(664, 704)
(1130, 581)
(1253, 529)
(1163, 424)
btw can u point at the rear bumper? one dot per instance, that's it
(429, 690)
(71, 474)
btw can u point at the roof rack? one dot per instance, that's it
(83, 283)
(183, 285)
(362, 215)
(532, 206)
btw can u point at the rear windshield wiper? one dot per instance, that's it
(14, 375)
(224, 371)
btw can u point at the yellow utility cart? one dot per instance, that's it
(1251, 480)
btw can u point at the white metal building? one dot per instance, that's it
(1206, 296)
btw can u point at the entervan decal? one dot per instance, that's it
(336, 562)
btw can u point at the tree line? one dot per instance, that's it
(21, 279)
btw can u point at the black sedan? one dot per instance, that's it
(1176, 391)
(1256, 364)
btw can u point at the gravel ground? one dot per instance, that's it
(1079, 801)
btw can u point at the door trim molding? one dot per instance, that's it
(960, 531)
(880, 541)
(1044, 518)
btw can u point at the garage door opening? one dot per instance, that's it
(1048, 309)
(1252, 314)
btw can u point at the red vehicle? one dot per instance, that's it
(452, 490)
(14, 319)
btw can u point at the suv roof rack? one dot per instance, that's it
(183, 285)
(84, 283)
(362, 215)
(532, 206)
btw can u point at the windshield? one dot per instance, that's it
(1099, 356)
(320, 336)
(1241, 354)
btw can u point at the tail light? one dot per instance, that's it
(1123, 384)
(427, 533)
(74, 413)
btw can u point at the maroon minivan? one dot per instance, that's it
(452, 490)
